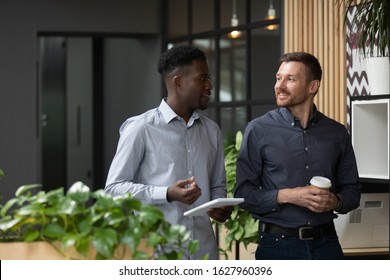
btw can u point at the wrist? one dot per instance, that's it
(281, 197)
(339, 203)
(168, 195)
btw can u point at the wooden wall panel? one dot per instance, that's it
(317, 27)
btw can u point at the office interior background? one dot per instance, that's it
(71, 71)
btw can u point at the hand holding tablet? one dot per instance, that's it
(202, 210)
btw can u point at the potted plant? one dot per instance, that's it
(370, 21)
(91, 225)
(241, 228)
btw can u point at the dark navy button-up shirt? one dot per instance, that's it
(277, 153)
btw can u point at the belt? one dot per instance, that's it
(303, 233)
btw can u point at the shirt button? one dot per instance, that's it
(292, 124)
(307, 167)
(306, 148)
(274, 209)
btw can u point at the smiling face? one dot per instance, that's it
(293, 87)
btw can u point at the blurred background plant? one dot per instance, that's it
(82, 218)
(372, 21)
(241, 228)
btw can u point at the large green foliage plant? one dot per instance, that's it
(82, 218)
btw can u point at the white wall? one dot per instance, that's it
(20, 21)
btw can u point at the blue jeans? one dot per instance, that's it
(281, 247)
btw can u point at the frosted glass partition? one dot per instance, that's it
(370, 137)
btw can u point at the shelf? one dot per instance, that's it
(370, 136)
(366, 251)
(370, 185)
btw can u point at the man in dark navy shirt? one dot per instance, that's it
(280, 153)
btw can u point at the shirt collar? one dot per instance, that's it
(168, 114)
(286, 114)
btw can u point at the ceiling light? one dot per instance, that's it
(234, 22)
(271, 14)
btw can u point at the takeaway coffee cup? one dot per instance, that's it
(321, 182)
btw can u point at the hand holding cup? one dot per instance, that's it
(321, 182)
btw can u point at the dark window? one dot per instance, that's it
(243, 68)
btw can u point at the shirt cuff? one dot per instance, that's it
(160, 195)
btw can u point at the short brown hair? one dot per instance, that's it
(314, 71)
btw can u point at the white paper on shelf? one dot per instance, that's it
(201, 210)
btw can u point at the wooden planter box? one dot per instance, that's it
(45, 251)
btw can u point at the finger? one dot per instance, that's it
(228, 208)
(191, 196)
(221, 211)
(221, 214)
(183, 183)
(195, 197)
(217, 216)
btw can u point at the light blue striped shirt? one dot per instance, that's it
(157, 149)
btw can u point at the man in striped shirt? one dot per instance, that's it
(172, 156)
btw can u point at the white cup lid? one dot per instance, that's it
(321, 182)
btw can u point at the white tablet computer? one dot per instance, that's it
(201, 210)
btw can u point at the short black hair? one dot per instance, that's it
(310, 61)
(178, 57)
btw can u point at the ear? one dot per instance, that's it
(176, 81)
(314, 86)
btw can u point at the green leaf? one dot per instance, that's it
(31, 235)
(131, 240)
(7, 223)
(69, 239)
(79, 192)
(54, 195)
(154, 239)
(104, 241)
(170, 256)
(22, 189)
(115, 218)
(64, 207)
(140, 255)
(85, 224)
(104, 200)
(193, 246)
(150, 215)
(83, 245)
(131, 204)
(239, 234)
(31, 210)
(54, 231)
(8, 205)
(238, 140)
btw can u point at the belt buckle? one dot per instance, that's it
(302, 235)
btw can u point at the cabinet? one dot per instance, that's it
(367, 227)
(370, 135)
